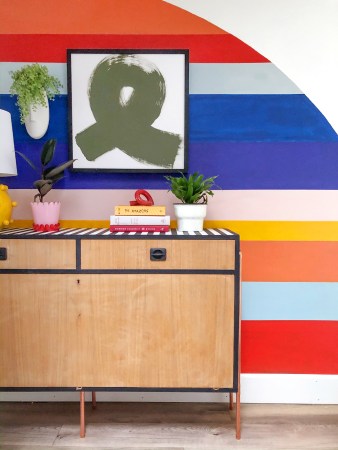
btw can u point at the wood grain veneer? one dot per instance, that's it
(181, 254)
(38, 254)
(117, 330)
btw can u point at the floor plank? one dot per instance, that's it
(167, 426)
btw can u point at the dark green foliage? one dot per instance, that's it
(192, 189)
(49, 175)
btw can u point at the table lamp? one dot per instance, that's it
(7, 166)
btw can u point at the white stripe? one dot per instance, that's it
(98, 230)
(89, 231)
(204, 78)
(289, 388)
(265, 205)
(226, 231)
(64, 231)
(74, 231)
(16, 231)
(213, 231)
(255, 388)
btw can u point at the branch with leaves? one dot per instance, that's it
(30, 84)
(49, 175)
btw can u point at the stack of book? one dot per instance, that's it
(139, 218)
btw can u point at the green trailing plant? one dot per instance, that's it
(191, 189)
(49, 175)
(30, 83)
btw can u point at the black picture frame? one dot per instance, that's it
(128, 110)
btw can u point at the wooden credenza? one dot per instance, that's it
(85, 309)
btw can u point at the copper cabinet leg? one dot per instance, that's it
(238, 415)
(93, 399)
(238, 394)
(82, 415)
(231, 401)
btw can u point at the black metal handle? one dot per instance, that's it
(3, 253)
(158, 254)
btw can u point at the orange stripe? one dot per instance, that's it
(289, 261)
(100, 16)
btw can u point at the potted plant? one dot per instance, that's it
(193, 192)
(34, 86)
(46, 214)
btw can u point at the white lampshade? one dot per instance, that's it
(7, 153)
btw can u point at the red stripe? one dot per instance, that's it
(303, 347)
(223, 48)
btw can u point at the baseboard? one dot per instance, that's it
(289, 388)
(255, 388)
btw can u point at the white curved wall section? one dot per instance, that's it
(299, 36)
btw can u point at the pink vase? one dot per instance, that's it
(46, 216)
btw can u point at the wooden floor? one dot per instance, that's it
(167, 426)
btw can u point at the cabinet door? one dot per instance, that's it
(39, 331)
(120, 330)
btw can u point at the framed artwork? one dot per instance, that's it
(128, 110)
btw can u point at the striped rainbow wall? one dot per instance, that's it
(277, 160)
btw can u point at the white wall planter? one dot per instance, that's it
(190, 217)
(38, 120)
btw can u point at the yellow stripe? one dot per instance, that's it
(248, 230)
(281, 231)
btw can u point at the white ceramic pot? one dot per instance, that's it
(38, 120)
(46, 215)
(190, 217)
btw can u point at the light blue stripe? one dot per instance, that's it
(289, 301)
(256, 78)
(58, 70)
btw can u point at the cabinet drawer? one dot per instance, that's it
(38, 254)
(180, 254)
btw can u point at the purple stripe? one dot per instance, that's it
(239, 166)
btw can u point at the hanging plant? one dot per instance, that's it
(30, 84)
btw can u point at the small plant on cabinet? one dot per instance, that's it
(49, 175)
(193, 189)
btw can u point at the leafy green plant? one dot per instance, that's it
(192, 189)
(30, 83)
(49, 175)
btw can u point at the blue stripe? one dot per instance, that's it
(237, 118)
(257, 118)
(58, 127)
(290, 301)
(240, 165)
